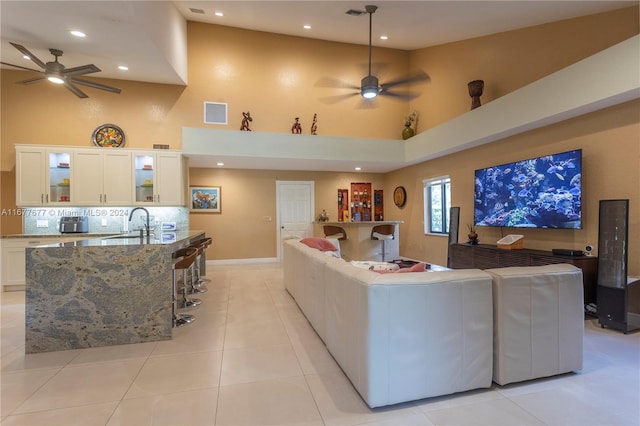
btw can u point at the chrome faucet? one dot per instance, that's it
(147, 212)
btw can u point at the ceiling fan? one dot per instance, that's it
(57, 73)
(370, 86)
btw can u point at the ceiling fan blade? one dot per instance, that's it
(31, 80)
(335, 83)
(412, 78)
(338, 98)
(18, 66)
(84, 69)
(400, 96)
(95, 85)
(79, 93)
(31, 56)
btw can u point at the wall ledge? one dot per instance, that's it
(608, 78)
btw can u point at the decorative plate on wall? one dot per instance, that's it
(399, 196)
(108, 136)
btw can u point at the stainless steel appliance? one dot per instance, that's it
(74, 224)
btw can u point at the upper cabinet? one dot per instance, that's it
(56, 176)
(44, 176)
(158, 178)
(102, 177)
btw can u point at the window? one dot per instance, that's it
(437, 201)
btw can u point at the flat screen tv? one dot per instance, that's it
(542, 192)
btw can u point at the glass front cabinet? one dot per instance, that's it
(43, 176)
(157, 178)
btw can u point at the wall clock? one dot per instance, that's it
(399, 196)
(108, 136)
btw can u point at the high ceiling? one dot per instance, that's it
(129, 32)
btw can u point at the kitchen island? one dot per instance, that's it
(100, 291)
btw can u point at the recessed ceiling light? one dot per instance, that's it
(220, 164)
(219, 14)
(26, 57)
(77, 33)
(384, 37)
(123, 67)
(307, 27)
(358, 169)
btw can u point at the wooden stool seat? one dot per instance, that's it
(336, 232)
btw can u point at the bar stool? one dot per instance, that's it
(185, 258)
(335, 232)
(196, 283)
(383, 233)
(204, 243)
(186, 283)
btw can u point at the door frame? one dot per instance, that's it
(279, 184)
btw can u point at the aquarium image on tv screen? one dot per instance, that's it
(542, 192)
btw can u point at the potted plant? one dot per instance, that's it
(473, 235)
(410, 124)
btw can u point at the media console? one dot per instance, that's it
(487, 256)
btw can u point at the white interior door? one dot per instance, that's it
(295, 203)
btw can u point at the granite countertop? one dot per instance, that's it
(74, 235)
(110, 240)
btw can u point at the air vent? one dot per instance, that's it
(194, 10)
(160, 146)
(354, 12)
(215, 113)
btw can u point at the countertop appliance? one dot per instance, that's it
(74, 224)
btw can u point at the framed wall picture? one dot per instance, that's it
(204, 199)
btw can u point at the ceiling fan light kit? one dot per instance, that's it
(369, 87)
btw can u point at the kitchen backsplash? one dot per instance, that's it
(103, 220)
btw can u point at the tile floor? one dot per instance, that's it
(251, 358)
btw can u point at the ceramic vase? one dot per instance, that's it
(475, 91)
(473, 237)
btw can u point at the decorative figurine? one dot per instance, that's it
(296, 128)
(324, 217)
(475, 91)
(246, 118)
(314, 125)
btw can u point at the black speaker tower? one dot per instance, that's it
(618, 297)
(454, 225)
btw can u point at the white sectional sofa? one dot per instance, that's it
(538, 322)
(397, 337)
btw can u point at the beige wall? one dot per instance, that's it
(510, 60)
(276, 78)
(247, 196)
(610, 140)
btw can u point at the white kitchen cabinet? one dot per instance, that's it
(74, 176)
(158, 178)
(44, 176)
(13, 261)
(102, 177)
